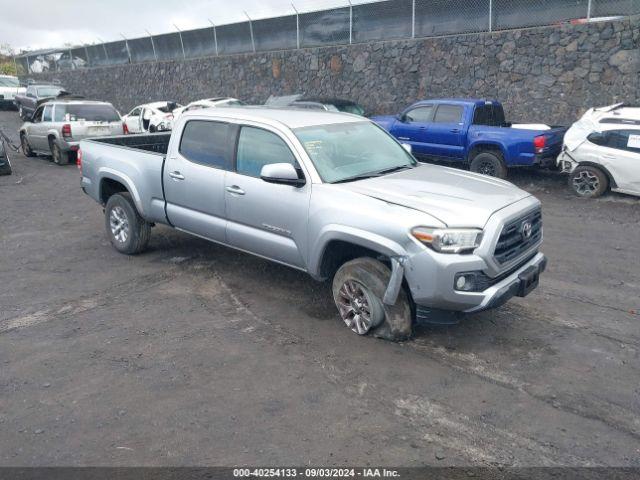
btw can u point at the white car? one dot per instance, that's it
(151, 117)
(209, 103)
(602, 152)
(9, 88)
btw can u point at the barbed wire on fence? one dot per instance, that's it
(340, 25)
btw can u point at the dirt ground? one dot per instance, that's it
(194, 354)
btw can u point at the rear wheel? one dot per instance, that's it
(128, 232)
(358, 288)
(26, 148)
(588, 182)
(490, 164)
(57, 155)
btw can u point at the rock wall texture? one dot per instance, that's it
(549, 74)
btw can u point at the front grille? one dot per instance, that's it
(515, 239)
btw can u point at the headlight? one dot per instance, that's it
(449, 240)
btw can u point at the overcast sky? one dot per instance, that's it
(52, 23)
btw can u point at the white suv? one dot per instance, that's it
(602, 152)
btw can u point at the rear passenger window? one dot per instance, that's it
(448, 114)
(206, 143)
(257, 148)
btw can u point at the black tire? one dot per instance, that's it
(588, 182)
(6, 168)
(490, 164)
(57, 155)
(138, 230)
(152, 129)
(26, 148)
(370, 276)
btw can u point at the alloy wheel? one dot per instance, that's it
(119, 224)
(355, 307)
(586, 183)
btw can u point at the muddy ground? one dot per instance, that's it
(194, 354)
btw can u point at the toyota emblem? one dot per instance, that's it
(526, 230)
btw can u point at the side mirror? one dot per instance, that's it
(407, 147)
(596, 137)
(281, 173)
(401, 118)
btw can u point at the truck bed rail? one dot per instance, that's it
(155, 143)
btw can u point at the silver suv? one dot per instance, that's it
(57, 127)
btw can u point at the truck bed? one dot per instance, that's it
(155, 142)
(135, 161)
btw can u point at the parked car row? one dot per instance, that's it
(599, 152)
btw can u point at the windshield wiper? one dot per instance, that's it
(395, 169)
(357, 177)
(379, 173)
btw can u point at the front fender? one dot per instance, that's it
(353, 235)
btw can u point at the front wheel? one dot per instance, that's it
(588, 182)
(358, 288)
(489, 164)
(128, 232)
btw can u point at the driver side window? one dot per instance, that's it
(37, 117)
(135, 112)
(420, 115)
(257, 148)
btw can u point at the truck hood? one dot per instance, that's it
(455, 197)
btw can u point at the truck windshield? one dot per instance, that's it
(9, 82)
(91, 113)
(49, 91)
(345, 151)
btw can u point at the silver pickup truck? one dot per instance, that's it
(330, 194)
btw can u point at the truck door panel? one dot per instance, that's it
(447, 133)
(412, 128)
(194, 178)
(265, 218)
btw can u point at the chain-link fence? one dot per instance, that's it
(353, 23)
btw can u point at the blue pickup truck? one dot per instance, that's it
(474, 133)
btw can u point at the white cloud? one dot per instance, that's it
(45, 23)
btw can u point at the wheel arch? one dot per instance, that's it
(339, 244)
(486, 146)
(112, 183)
(605, 170)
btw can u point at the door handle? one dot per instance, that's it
(176, 175)
(235, 190)
(455, 130)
